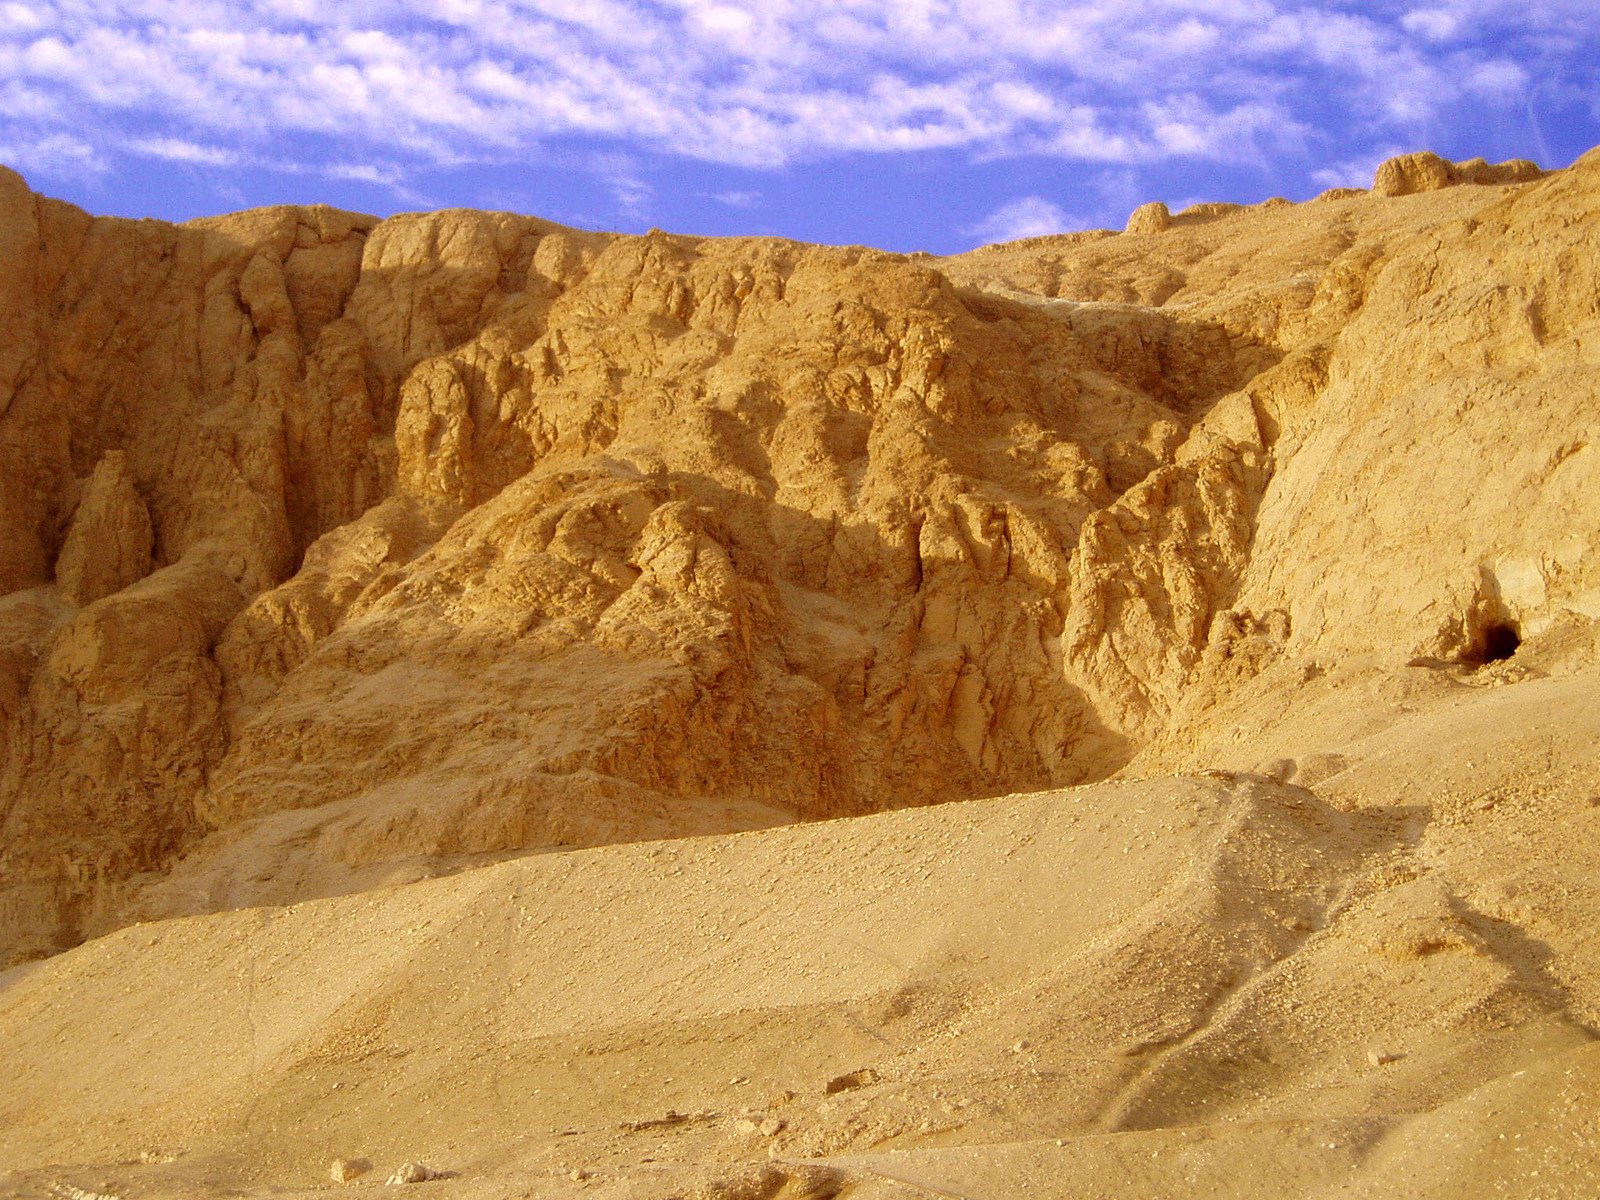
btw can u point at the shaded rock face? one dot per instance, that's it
(109, 541)
(411, 542)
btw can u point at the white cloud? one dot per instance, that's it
(1354, 172)
(767, 82)
(1435, 24)
(631, 194)
(1187, 126)
(58, 155)
(1029, 216)
(19, 18)
(1497, 78)
(1118, 189)
(387, 176)
(734, 199)
(178, 150)
(724, 23)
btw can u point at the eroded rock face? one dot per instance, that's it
(1408, 174)
(468, 534)
(109, 541)
(1149, 218)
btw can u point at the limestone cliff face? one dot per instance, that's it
(364, 548)
(108, 543)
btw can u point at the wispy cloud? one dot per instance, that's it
(178, 150)
(1030, 216)
(1353, 172)
(630, 193)
(734, 199)
(754, 83)
(54, 154)
(391, 178)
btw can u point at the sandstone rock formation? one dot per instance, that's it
(1408, 174)
(1149, 218)
(108, 543)
(339, 553)
(412, 542)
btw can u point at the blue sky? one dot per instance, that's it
(923, 124)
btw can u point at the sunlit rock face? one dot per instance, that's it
(339, 551)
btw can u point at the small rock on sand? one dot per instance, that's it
(343, 1170)
(415, 1172)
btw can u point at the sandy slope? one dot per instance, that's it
(1173, 985)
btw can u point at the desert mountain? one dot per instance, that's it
(549, 573)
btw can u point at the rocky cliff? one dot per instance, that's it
(337, 551)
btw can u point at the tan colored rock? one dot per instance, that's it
(1208, 211)
(1228, 939)
(1408, 174)
(478, 535)
(414, 1172)
(343, 1170)
(1515, 170)
(1153, 217)
(32, 464)
(109, 541)
(472, 538)
(69, 1191)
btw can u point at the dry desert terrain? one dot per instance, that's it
(544, 713)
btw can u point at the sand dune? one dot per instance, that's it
(1220, 982)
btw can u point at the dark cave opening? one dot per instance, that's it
(1498, 642)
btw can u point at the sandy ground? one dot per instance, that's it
(1386, 984)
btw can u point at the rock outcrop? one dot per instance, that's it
(1149, 218)
(108, 543)
(1425, 171)
(412, 543)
